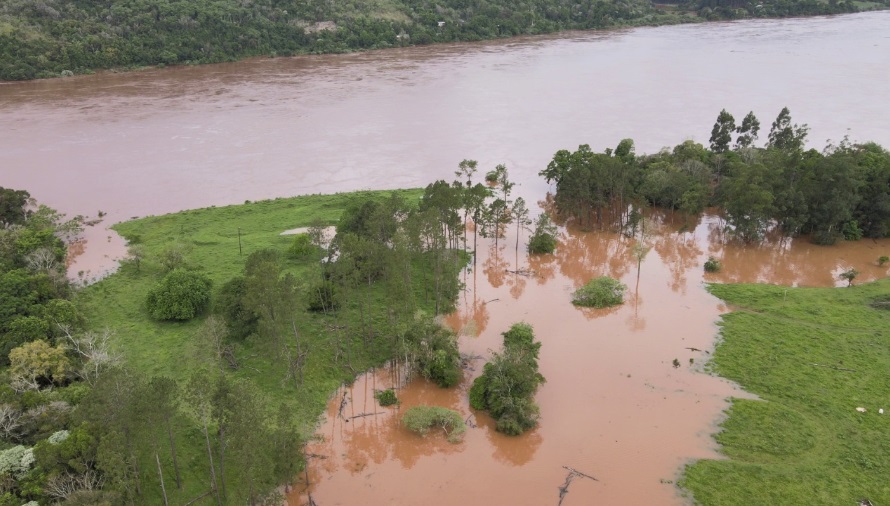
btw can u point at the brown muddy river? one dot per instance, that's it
(614, 406)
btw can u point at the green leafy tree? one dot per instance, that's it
(13, 206)
(34, 364)
(509, 381)
(721, 134)
(232, 305)
(543, 239)
(747, 131)
(786, 136)
(748, 200)
(181, 295)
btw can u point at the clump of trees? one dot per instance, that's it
(839, 193)
(508, 383)
(600, 292)
(420, 419)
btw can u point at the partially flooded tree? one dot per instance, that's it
(543, 239)
(509, 381)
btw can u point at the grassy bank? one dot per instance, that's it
(216, 242)
(813, 356)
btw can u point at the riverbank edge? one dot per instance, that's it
(816, 433)
(682, 18)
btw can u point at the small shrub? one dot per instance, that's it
(301, 247)
(386, 397)
(883, 260)
(174, 257)
(851, 231)
(600, 292)
(849, 275)
(181, 295)
(491, 176)
(713, 265)
(323, 296)
(420, 419)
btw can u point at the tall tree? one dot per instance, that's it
(786, 136)
(747, 131)
(721, 134)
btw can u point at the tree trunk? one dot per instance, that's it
(212, 467)
(222, 457)
(161, 476)
(173, 453)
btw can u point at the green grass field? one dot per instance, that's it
(211, 237)
(812, 355)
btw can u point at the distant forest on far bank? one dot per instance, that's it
(53, 38)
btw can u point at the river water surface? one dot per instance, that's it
(614, 405)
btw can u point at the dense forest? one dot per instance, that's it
(840, 193)
(49, 38)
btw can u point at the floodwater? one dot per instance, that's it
(163, 140)
(614, 406)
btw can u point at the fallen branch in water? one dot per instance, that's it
(364, 415)
(492, 300)
(573, 473)
(522, 272)
(342, 405)
(834, 367)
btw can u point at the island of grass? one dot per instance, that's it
(818, 359)
(600, 292)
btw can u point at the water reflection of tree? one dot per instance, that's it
(380, 437)
(517, 282)
(513, 450)
(592, 312)
(544, 266)
(472, 315)
(495, 265)
(583, 255)
(771, 260)
(635, 322)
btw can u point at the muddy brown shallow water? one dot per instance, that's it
(614, 405)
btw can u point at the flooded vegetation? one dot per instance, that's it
(625, 400)
(626, 403)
